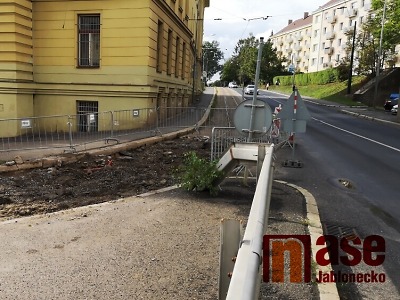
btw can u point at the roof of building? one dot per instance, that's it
(307, 19)
(329, 3)
(296, 24)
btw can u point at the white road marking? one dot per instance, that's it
(357, 135)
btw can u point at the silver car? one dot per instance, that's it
(394, 109)
(250, 90)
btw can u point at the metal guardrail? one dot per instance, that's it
(246, 277)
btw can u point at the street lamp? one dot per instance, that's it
(351, 55)
(195, 53)
(351, 60)
(378, 66)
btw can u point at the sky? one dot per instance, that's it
(239, 18)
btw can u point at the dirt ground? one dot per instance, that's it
(95, 179)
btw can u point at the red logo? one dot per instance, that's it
(295, 250)
(299, 249)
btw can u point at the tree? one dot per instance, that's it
(367, 49)
(212, 55)
(368, 41)
(243, 64)
(271, 63)
(229, 71)
(246, 52)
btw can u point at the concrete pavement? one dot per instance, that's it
(134, 248)
(161, 245)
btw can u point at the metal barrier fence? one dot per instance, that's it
(71, 133)
(85, 131)
(75, 132)
(223, 137)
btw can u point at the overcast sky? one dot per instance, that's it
(236, 18)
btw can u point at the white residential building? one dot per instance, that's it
(320, 40)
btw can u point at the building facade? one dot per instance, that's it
(83, 57)
(321, 40)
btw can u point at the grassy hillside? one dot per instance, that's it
(335, 92)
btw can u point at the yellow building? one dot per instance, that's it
(85, 57)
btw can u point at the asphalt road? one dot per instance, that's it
(352, 167)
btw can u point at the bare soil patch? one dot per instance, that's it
(96, 179)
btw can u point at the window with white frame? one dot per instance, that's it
(89, 40)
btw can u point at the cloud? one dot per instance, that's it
(235, 14)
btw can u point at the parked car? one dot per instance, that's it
(394, 109)
(250, 90)
(392, 101)
(232, 84)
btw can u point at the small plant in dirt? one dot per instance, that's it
(198, 174)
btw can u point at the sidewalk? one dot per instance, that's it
(361, 111)
(372, 114)
(156, 246)
(204, 100)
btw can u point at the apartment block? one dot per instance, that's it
(320, 40)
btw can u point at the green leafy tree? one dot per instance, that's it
(229, 71)
(366, 58)
(271, 63)
(368, 41)
(246, 52)
(212, 55)
(242, 66)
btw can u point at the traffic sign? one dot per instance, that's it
(294, 114)
(262, 119)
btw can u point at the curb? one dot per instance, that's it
(340, 107)
(359, 115)
(327, 291)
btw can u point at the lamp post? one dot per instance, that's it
(195, 56)
(378, 65)
(351, 54)
(195, 52)
(351, 60)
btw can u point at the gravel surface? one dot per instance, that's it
(163, 246)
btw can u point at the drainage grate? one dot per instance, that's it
(341, 231)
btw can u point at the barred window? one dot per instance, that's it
(89, 41)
